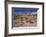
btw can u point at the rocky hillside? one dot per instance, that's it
(24, 21)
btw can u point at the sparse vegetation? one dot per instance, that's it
(25, 20)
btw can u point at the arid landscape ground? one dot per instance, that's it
(24, 21)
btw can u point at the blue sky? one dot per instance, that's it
(23, 10)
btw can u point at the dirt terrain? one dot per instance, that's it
(24, 21)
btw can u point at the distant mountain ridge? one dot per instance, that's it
(23, 11)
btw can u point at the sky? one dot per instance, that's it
(17, 11)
